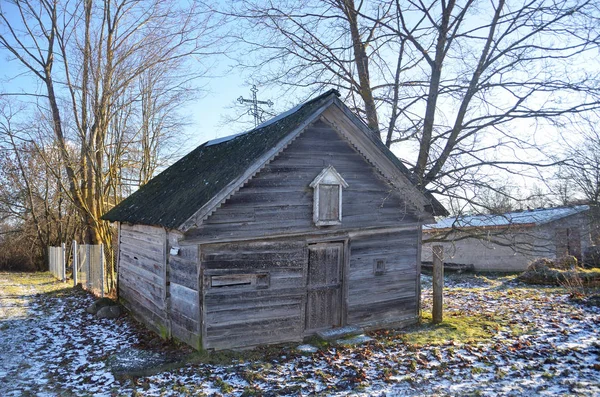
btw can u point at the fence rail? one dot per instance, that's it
(88, 266)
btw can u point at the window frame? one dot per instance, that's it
(377, 269)
(239, 281)
(327, 177)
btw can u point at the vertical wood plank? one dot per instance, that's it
(63, 272)
(75, 262)
(88, 248)
(345, 272)
(418, 283)
(165, 279)
(102, 270)
(118, 256)
(202, 297)
(324, 297)
(438, 283)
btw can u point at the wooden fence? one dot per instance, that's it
(57, 262)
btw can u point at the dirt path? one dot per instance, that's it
(18, 324)
(48, 344)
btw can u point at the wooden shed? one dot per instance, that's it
(308, 222)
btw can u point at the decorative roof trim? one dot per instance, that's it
(329, 171)
(213, 204)
(384, 166)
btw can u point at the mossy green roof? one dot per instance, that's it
(174, 195)
(177, 193)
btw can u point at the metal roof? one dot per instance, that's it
(537, 216)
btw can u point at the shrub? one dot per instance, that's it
(540, 264)
(567, 262)
(575, 281)
(591, 256)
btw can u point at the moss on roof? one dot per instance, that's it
(174, 195)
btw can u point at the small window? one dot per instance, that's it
(234, 280)
(259, 281)
(379, 267)
(262, 281)
(329, 203)
(327, 200)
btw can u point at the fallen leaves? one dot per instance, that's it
(536, 342)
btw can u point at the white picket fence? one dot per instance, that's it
(88, 266)
(57, 262)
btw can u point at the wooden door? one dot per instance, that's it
(324, 286)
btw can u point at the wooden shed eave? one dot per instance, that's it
(213, 204)
(342, 120)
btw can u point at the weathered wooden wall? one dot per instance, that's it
(184, 297)
(227, 288)
(246, 315)
(390, 297)
(142, 274)
(278, 200)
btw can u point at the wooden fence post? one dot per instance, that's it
(63, 262)
(102, 270)
(438, 283)
(50, 253)
(88, 260)
(75, 260)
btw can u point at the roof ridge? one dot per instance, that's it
(272, 120)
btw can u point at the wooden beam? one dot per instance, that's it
(438, 283)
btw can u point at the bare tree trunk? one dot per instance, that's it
(362, 65)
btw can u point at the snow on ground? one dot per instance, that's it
(49, 345)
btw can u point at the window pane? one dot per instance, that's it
(329, 204)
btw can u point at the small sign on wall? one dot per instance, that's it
(174, 251)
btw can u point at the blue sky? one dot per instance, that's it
(207, 115)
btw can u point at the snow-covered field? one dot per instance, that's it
(544, 345)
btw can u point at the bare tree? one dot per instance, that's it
(112, 73)
(463, 87)
(34, 210)
(579, 177)
(583, 167)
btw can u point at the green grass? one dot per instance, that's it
(15, 288)
(18, 284)
(225, 387)
(318, 342)
(456, 327)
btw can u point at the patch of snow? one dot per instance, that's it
(356, 340)
(307, 349)
(551, 348)
(224, 139)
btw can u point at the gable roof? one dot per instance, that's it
(207, 175)
(536, 217)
